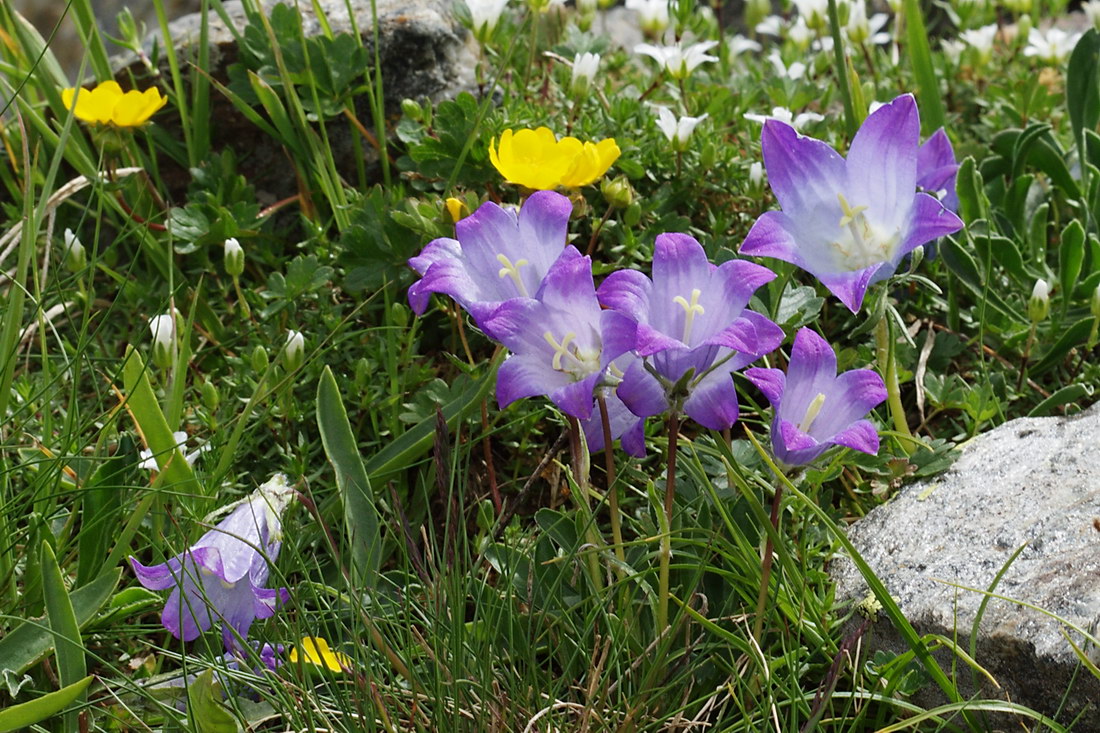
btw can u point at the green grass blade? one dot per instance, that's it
(928, 85)
(71, 665)
(360, 514)
(26, 714)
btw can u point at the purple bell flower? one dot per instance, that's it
(816, 408)
(843, 220)
(691, 316)
(561, 341)
(221, 577)
(937, 168)
(626, 427)
(498, 255)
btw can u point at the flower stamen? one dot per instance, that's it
(512, 271)
(690, 310)
(812, 412)
(560, 350)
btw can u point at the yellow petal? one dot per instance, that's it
(591, 163)
(316, 651)
(457, 209)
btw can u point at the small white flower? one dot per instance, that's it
(1052, 47)
(1092, 12)
(679, 60)
(795, 71)
(652, 15)
(773, 26)
(294, 352)
(799, 33)
(953, 49)
(785, 115)
(149, 461)
(756, 174)
(1038, 305)
(678, 131)
(485, 15)
(816, 12)
(72, 251)
(585, 66)
(739, 45)
(861, 29)
(981, 40)
(233, 257)
(163, 328)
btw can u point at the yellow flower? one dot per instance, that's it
(537, 159)
(457, 209)
(107, 104)
(317, 652)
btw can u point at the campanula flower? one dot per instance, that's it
(690, 317)
(843, 220)
(816, 408)
(221, 578)
(625, 426)
(497, 255)
(107, 104)
(537, 159)
(937, 168)
(561, 342)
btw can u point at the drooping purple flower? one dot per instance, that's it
(498, 255)
(842, 220)
(691, 316)
(625, 426)
(937, 168)
(221, 578)
(816, 408)
(561, 341)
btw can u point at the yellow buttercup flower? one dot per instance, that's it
(107, 104)
(537, 159)
(457, 209)
(316, 651)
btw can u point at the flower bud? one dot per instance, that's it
(163, 328)
(412, 109)
(73, 252)
(362, 373)
(1038, 306)
(585, 66)
(632, 215)
(457, 209)
(756, 176)
(294, 352)
(210, 397)
(234, 257)
(617, 191)
(399, 314)
(1094, 304)
(259, 359)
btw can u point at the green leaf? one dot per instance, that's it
(204, 706)
(1082, 87)
(101, 506)
(71, 665)
(360, 515)
(24, 715)
(142, 405)
(1075, 335)
(928, 86)
(1071, 255)
(21, 648)
(1067, 394)
(973, 204)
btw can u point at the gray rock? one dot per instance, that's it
(1033, 481)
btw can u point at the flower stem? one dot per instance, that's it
(766, 568)
(578, 449)
(666, 531)
(612, 489)
(887, 364)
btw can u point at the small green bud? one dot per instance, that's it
(632, 215)
(617, 191)
(294, 351)
(399, 315)
(210, 397)
(708, 154)
(73, 253)
(1038, 306)
(259, 359)
(234, 257)
(412, 109)
(362, 373)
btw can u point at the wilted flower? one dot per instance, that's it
(677, 130)
(814, 407)
(107, 104)
(498, 255)
(652, 15)
(691, 317)
(679, 60)
(844, 220)
(316, 651)
(786, 116)
(585, 66)
(537, 159)
(1052, 46)
(484, 16)
(221, 577)
(561, 342)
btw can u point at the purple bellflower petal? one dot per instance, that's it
(814, 407)
(849, 222)
(221, 578)
(497, 255)
(937, 169)
(624, 425)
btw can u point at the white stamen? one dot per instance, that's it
(690, 310)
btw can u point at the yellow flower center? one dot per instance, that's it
(512, 270)
(861, 244)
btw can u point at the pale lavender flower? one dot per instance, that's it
(221, 578)
(844, 220)
(497, 255)
(561, 342)
(679, 60)
(691, 317)
(814, 407)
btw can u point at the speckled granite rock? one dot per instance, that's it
(1033, 481)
